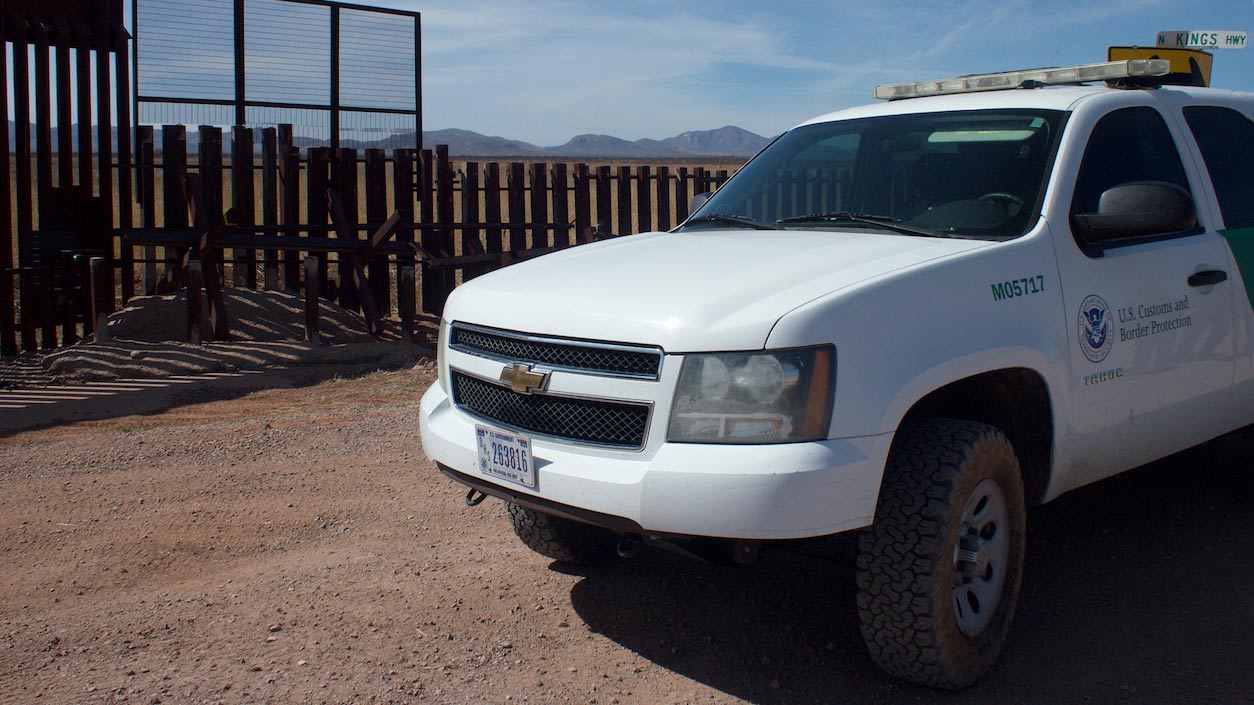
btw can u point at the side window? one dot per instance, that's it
(1226, 138)
(1132, 144)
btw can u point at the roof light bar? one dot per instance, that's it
(1107, 71)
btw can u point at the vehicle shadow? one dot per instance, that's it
(1136, 590)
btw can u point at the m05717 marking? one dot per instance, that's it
(1015, 288)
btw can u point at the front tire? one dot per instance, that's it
(939, 571)
(561, 539)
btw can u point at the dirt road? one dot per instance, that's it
(295, 546)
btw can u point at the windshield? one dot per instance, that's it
(968, 174)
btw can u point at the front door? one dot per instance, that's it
(1150, 319)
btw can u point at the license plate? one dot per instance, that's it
(505, 455)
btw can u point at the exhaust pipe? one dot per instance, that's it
(629, 545)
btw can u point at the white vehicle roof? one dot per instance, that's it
(1047, 98)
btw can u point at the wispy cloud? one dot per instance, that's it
(634, 71)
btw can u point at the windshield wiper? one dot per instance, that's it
(882, 221)
(742, 221)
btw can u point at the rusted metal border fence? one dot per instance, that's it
(473, 217)
(62, 198)
(470, 219)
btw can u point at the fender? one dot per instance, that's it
(892, 326)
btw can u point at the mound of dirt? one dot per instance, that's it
(140, 360)
(147, 339)
(266, 316)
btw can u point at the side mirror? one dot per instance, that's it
(698, 201)
(1137, 209)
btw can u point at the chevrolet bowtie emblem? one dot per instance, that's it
(521, 378)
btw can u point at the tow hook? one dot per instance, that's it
(629, 545)
(472, 500)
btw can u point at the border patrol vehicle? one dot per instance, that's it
(909, 320)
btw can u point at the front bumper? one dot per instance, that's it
(781, 491)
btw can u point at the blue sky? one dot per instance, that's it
(544, 71)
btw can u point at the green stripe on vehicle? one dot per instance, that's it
(1241, 242)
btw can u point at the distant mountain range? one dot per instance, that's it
(727, 141)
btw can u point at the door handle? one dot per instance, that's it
(1210, 277)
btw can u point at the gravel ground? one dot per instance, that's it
(296, 546)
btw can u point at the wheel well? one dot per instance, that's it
(1013, 400)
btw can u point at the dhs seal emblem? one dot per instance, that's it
(1096, 329)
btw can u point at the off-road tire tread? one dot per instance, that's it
(561, 539)
(901, 556)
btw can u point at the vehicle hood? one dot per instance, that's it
(688, 291)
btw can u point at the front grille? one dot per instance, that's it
(578, 356)
(586, 420)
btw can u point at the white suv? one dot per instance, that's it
(911, 319)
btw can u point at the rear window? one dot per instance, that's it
(1226, 140)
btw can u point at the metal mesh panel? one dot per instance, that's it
(377, 60)
(186, 50)
(288, 52)
(636, 363)
(364, 129)
(307, 123)
(185, 114)
(585, 420)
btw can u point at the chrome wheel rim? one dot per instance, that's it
(981, 554)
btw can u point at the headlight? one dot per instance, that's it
(779, 396)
